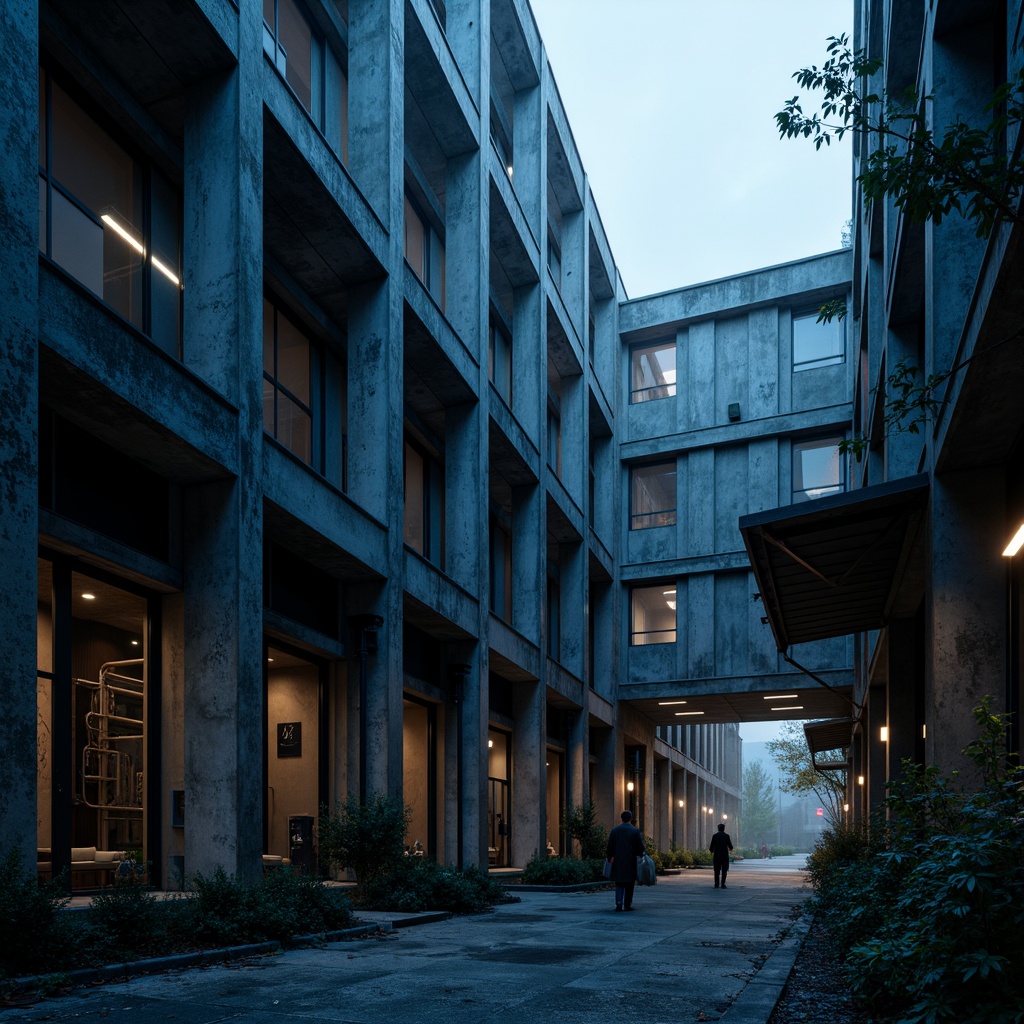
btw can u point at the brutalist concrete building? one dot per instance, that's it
(337, 462)
(921, 559)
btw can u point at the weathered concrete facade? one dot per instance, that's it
(318, 442)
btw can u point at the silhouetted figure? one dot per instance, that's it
(720, 846)
(625, 844)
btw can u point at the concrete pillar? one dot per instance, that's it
(965, 613)
(903, 713)
(528, 771)
(603, 777)
(19, 418)
(466, 753)
(692, 798)
(223, 521)
(877, 754)
(466, 559)
(577, 758)
(572, 582)
(529, 576)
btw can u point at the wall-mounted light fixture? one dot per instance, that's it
(846, 808)
(1015, 544)
(629, 787)
(680, 803)
(883, 734)
(725, 817)
(860, 780)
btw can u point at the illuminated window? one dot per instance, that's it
(654, 371)
(818, 468)
(653, 615)
(652, 495)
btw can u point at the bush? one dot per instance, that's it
(562, 871)
(368, 838)
(34, 936)
(700, 857)
(127, 920)
(582, 825)
(933, 920)
(416, 884)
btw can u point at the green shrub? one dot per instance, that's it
(780, 851)
(700, 857)
(582, 825)
(127, 920)
(34, 936)
(747, 852)
(368, 838)
(416, 884)
(562, 871)
(931, 910)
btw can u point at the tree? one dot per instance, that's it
(928, 173)
(582, 825)
(760, 820)
(368, 838)
(799, 776)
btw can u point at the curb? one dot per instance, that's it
(757, 999)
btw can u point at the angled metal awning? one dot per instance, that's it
(829, 567)
(825, 737)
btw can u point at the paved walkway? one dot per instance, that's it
(688, 953)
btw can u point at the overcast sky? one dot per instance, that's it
(671, 104)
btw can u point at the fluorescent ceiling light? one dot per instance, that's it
(123, 232)
(689, 713)
(1016, 544)
(666, 703)
(791, 707)
(781, 696)
(89, 597)
(166, 271)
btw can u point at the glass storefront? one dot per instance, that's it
(498, 800)
(91, 735)
(418, 776)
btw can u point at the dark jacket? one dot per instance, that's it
(625, 844)
(720, 846)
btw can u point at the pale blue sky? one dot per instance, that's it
(671, 104)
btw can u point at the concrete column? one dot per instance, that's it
(223, 521)
(19, 418)
(877, 754)
(466, 759)
(603, 770)
(529, 575)
(902, 713)
(662, 820)
(528, 771)
(965, 613)
(692, 809)
(572, 583)
(466, 559)
(577, 757)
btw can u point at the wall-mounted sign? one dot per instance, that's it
(289, 739)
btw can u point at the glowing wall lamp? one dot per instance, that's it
(680, 803)
(629, 787)
(883, 734)
(860, 780)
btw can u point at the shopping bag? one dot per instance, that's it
(646, 873)
(607, 869)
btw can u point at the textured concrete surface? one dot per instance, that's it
(688, 952)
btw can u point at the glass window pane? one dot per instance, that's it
(269, 393)
(77, 243)
(293, 359)
(165, 261)
(817, 468)
(268, 13)
(654, 615)
(294, 427)
(42, 214)
(654, 372)
(296, 37)
(414, 499)
(653, 497)
(816, 344)
(415, 241)
(44, 616)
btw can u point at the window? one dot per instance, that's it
(424, 503)
(501, 137)
(289, 361)
(501, 566)
(654, 371)
(310, 68)
(817, 344)
(111, 221)
(424, 249)
(554, 439)
(818, 468)
(653, 615)
(554, 618)
(652, 495)
(500, 362)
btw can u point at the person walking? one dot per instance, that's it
(720, 846)
(625, 844)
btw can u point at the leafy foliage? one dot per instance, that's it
(582, 825)
(760, 821)
(415, 884)
(930, 905)
(368, 838)
(127, 919)
(799, 775)
(563, 871)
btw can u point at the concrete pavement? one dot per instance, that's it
(689, 952)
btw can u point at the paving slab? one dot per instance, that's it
(689, 952)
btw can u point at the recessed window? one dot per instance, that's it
(111, 221)
(424, 250)
(289, 359)
(654, 371)
(653, 615)
(501, 565)
(423, 527)
(817, 344)
(500, 360)
(652, 495)
(818, 468)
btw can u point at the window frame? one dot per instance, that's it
(432, 511)
(637, 351)
(504, 383)
(662, 635)
(836, 358)
(667, 515)
(830, 442)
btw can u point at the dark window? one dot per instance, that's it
(424, 503)
(652, 495)
(112, 221)
(817, 344)
(290, 367)
(301, 591)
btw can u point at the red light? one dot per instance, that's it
(820, 812)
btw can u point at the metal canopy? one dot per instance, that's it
(823, 737)
(829, 567)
